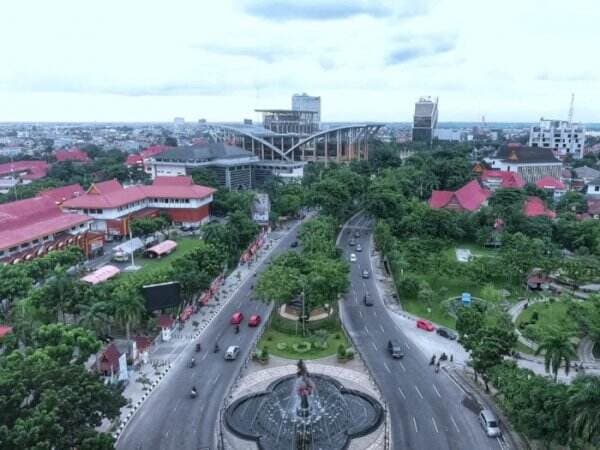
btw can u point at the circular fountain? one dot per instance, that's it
(304, 412)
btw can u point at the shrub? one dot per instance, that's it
(265, 352)
(409, 286)
(302, 347)
(341, 351)
(269, 338)
(337, 336)
(534, 317)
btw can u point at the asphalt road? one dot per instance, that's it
(426, 407)
(169, 418)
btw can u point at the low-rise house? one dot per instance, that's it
(531, 163)
(496, 179)
(553, 186)
(470, 197)
(535, 207)
(593, 187)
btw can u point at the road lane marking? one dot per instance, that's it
(437, 392)
(367, 329)
(402, 393)
(374, 346)
(407, 346)
(415, 424)
(215, 380)
(500, 442)
(203, 357)
(361, 314)
(418, 392)
(387, 367)
(457, 385)
(454, 423)
(375, 313)
(381, 328)
(435, 425)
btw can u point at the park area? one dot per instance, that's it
(548, 317)
(184, 245)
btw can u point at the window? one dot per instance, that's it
(36, 241)
(13, 249)
(1, 252)
(596, 188)
(25, 245)
(46, 238)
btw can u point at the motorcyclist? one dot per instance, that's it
(216, 347)
(432, 362)
(192, 362)
(237, 329)
(194, 392)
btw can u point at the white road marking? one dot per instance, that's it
(375, 313)
(381, 328)
(457, 385)
(215, 380)
(454, 423)
(415, 424)
(437, 392)
(407, 345)
(419, 392)
(387, 367)
(402, 393)
(500, 443)
(366, 327)
(203, 357)
(435, 425)
(402, 365)
(374, 346)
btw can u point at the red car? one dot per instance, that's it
(254, 320)
(237, 318)
(425, 325)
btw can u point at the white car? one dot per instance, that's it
(352, 257)
(232, 352)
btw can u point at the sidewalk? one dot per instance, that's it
(163, 355)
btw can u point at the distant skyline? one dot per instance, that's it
(128, 61)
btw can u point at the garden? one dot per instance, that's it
(316, 344)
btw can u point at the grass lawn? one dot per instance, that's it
(550, 316)
(183, 246)
(272, 337)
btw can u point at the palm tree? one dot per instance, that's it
(557, 348)
(128, 307)
(584, 407)
(96, 317)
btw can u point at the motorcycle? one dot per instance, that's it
(216, 350)
(192, 363)
(237, 329)
(193, 393)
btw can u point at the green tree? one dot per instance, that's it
(205, 177)
(279, 283)
(583, 406)
(128, 306)
(15, 282)
(469, 322)
(557, 348)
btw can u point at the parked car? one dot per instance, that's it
(352, 242)
(121, 257)
(489, 422)
(357, 234)
(237, 318)
(425, 325)
(352, 257)
(358, 248)
(367, 300)
(232, 352)
(254, 320)
(294, 244)
(445, 332)
(395, 348)
(365, 273)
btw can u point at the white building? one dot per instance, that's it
(560, 136)
(532, 164)
(305, 102)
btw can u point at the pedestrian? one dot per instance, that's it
(451, 358)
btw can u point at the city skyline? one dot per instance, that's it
(367, 60)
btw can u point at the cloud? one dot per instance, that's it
(566, 77)
(276, 10)
(268, 54)
(411, 47)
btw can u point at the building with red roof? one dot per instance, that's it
(470, 197)
(535, 207)
(61, 194)
(108, 363)
(26, 171)
(72, 154)
(134, 160)
(496, 179)
(35, 226)
(553, 185)
(111, 205)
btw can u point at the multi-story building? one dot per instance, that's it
(234, 167)
(305, 102)
(561, 136)
(531, 163)
(425, 120)
(111, 205)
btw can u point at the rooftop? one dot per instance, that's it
(34, 169)
(534, 207)
(507, 179)
(469, 197)
(550, 183)
(519, 154)
(206, 152)
(73, 154)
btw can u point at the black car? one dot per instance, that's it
(365, 273)
(445, 332)
(395, 348)
(367, 300)
(294, 244)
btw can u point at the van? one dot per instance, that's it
(489, 422)
(395, 349)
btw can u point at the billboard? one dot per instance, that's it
(162, 295)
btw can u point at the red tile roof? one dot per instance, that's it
(507, 179)
(534, 207)
(470, 197)
(60, 194)
(142, 342)
(4, 330)
(173, 181)
(154, 150)
(134, 160)
(110, 194)
(73, 154)
(33, 218)
(110, 359)
(165, 321)
(34, 170)
(593, 206)
(550, 183)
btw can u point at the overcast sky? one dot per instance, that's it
(130, 60)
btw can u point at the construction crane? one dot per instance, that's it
(571, 109)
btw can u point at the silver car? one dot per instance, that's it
(489, 422)
(232, 352)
